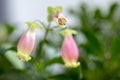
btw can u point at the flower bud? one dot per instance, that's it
(26, 45)
(70, 53)
(27, 42)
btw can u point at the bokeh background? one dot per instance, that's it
(97, 23)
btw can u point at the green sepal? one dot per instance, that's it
(72, 65)
(23, 56)
(51, 10)
(58, 8)
(33, 25)
(50, 18)
(67, 31)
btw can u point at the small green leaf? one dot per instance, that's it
(112, 10)
(58, 8)
(51, 10)
(10, 28)
(50, 18)
(34, 25)
(12, 58)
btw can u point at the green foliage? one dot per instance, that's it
(100, 54)
(115, 43)
(93, 45)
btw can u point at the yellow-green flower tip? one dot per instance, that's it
(33, 25)
(62, 26)
(23, 56)
(72, 65)
(67, 31)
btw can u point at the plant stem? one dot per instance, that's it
(43, 42)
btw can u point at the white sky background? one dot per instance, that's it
(29, 10)
(21, 11)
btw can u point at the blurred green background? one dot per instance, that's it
(99, 49)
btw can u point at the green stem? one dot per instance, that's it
(43, 42)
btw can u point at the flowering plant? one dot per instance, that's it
(88, 50)
(69, 51)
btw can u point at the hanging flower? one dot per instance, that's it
(27, 42)
(70, 53)
(60, 19)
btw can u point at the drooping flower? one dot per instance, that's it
(60, 19)
(70, 53)
(27, 42)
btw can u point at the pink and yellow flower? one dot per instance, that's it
(70, 53)
(27, 42)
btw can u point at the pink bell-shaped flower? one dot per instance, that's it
(27, 42)
(70, 53)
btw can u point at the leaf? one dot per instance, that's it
(93, 46)
(69, 74)
(15, 76)
(5, 65)
(54, 60)
(11, 56)
(10, 28)
(51, 10)
(50, 18)
(115, 48)
(98, 15)
(112, 10)
(58, 8)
